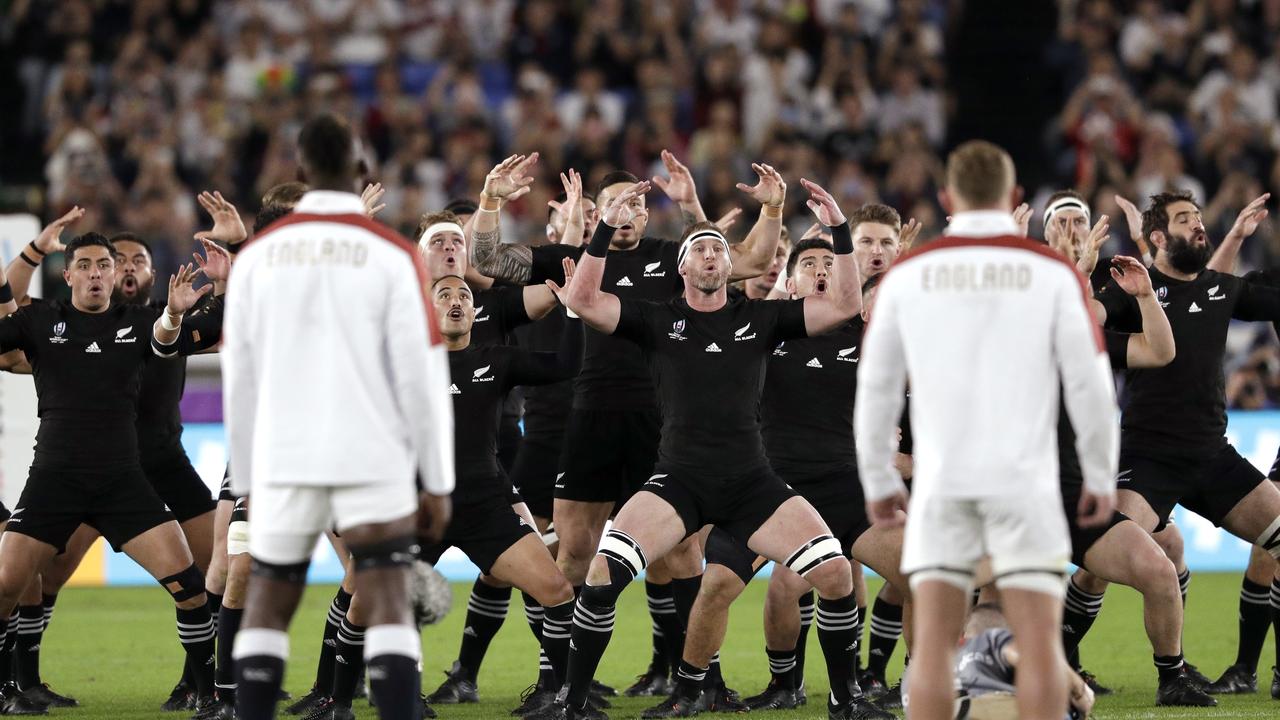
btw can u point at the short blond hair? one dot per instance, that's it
(876, 213)
(980, 173)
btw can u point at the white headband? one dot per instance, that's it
(1066, 203)
(436, 229)
(700, 235)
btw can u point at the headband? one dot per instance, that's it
(1066, 203)
(436, 229)
(700, 235)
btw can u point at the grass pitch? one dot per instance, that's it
(115, 650)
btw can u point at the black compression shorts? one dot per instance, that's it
(1209, 486)
(224, 491)
(483, 530)
(608, 454)
(178, 484)
(119, 505)
(4, 513)
(534, 474)
(739, 504)
(837, 498)
(1083, 538)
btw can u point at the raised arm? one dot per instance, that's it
(23, 267)
(505, 182)
(753, 255)
(572, 218)
(182, 297)
(1154, 346)
(228, 228)
(1224, 258)
(681, 189)
(824, 313)
(1133, 218)
(582, 294)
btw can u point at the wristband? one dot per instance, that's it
(39, 253)
(168, 324)
(27, 260)
(599, 245)
(486, 198)
(6, 293)
(773, 212)
(842, 238)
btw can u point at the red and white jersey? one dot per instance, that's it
(333, 369)
(991, 329)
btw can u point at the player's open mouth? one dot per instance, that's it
(455, 314)
(877, 264)
(129, 283)
(821, 286)
(450, 260)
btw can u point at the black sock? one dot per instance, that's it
(1079, 611)
(714, 677)
(782, 665)
(1184, 582)
(215, 604)
(836, 622)
(861, 629)
(668, 633)
(48, 601)
(684, 591)
(8, 640)
(886, 628)
(348, 665)
(393, 653)
(259, 656)
(1167, 667)
(337, 613)
(808, 605)
(1255, 614)
(26, 659)
(592, 628)
(557, 626)
(535, 615)
(486, 611)
(1275, 616)
(690, 680)
(195, 631)
(224, 676)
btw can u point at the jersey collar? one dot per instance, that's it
(982, 224)
(329, 202)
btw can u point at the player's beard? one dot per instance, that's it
(1188, 256)
(710, 282)
(140, 295)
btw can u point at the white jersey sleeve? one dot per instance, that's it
(420, 372)
(882, 380)
(1087, 387)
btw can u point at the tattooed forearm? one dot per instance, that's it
(512, 263)
(689, 217)
(484, 243)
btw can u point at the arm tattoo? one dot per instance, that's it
(689, 217)
(513, 263)
(484, 244)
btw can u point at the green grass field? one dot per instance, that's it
(116, 651)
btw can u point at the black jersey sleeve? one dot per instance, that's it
(1117, 349)
(542, 368)
(13, 330)
(1123, 314)
(790, 322)
(1256, 300)
(635, 321)
(201, 330)
(548, 263)
(511, 310)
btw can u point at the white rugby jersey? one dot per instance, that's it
(987, 326)
(333, 369)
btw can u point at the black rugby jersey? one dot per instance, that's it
(709, 369)
(1071, 475)
(481, 376)
(614, 375)
(1181, 409)
(546, 407)
(806, 411)
(499, 311)
(159, 417)
(88, 370)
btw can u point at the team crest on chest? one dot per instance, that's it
(59, 328)
(677, 331)
(741, 333)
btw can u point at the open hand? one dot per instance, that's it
(227, 226)
(770, 189)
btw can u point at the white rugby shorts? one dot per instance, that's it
(286, 520)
